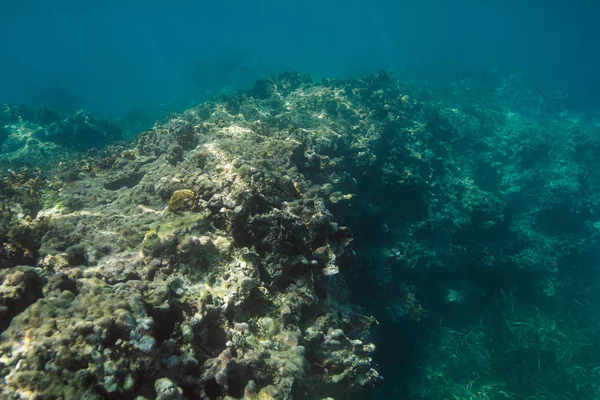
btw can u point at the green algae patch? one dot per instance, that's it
(185, 222)
(151, 242)
(166, 235)
(183, 200)
(51, 199)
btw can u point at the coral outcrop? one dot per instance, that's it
(202, 263)
(222, 255)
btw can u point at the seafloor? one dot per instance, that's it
(300, 241)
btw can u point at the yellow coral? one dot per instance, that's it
(183, 200)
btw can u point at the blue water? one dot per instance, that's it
(114, 55)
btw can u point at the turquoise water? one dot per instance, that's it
(112, 56)
(413, 214)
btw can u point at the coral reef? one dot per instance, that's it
(275, 243)
(211, 274)
(41, 137)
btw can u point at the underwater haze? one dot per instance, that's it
(237, 200)
(111, 56)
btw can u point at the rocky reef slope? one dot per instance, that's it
(202, 263)
(222, 255)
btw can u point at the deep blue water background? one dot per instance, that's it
(113, 55)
